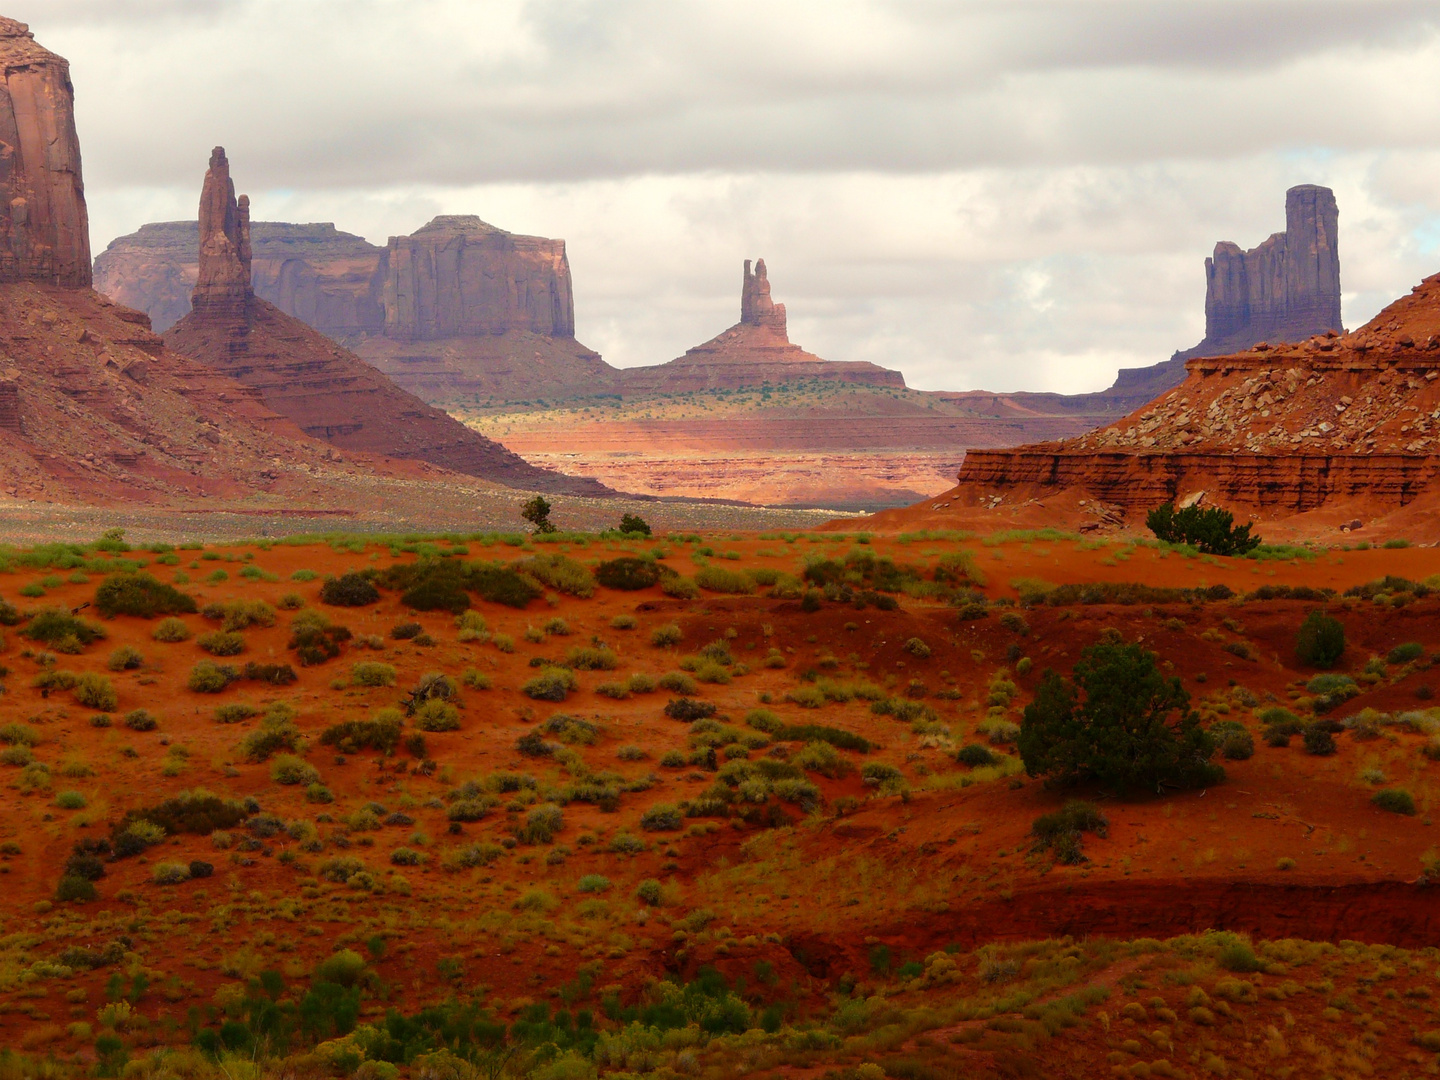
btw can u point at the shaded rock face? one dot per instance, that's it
(755, 351)
(44, 226)
(328, 392)
(1284, 290)
(460, 277)
(1287, 427)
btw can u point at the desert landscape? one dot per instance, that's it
(391, 686)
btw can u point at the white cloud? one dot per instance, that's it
(1004, 194)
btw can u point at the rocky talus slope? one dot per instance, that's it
(1288, 428)
(328, 392)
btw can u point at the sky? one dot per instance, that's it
(995, 195)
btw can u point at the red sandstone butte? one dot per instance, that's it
(1284, 429)
(327, 391)
(755, 351)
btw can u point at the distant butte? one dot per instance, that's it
(755, 351)
(303, 375)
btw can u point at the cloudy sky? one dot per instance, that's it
(1007, 195)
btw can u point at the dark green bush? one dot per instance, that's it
(140, 595)
(634, 524)
(1403, 654)
(628, 574)
(1134, 728)
(1395, 800)
(316, 644)
(353, 589)
(62, 631)
(1318, 741)
(1061, 830)
(689, 709)
(274, 674)
(1212, 530)
(222, 642)
(75, 889)
(1321, 641)
(975, 755)
(208, 677)
(382, 732)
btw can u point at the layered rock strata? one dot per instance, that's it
(755, 351)
(1287, 427)
(44, 227)
(328, 392)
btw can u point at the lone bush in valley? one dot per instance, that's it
(1211, 530)
(1321, 641)
(352, 589)
(537, 512)
(634, 524)
(140, 595)
(1133, 729)
(627, 574)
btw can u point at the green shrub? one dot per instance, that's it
(649, 892)
(126, 658)
(552, 684)
(664, 636)
(1133, 730)
(560, 572)
(584, 658)
(95, 692)
(140, 595)
(1237, 955)
(593, 883)
(677, 682)
(688, 710)
(1395, 800)
(681, 588)
(75, 889)
(662, 817)
(353, 589)
(171, 630)
(1403, 654)
(140, 720)
(289, 769)
(1321, 641)
(241, 614)
(372, 673)
(721, 580)
(628, 574)
(62, 631)
(208, 677)
(975, 755)
(1319, 742)
(634, 525)
(222, 643)
(234, 713)
(277, 733)
(475, 679)
(70, 800)
(437, 715)
(51, 679)
(381, 732)
(1211, 529)
(542, 825)
(343, 968)
(17, 734)
(916, 647)
(623, 622)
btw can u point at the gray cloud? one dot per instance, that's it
(1005, 194)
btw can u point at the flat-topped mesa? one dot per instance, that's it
(44, 225)
(223, 287)
(756, 307)
(461, 277)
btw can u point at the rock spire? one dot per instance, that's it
(44, 226)
(223, 288)
(1286, 289)
(756, 307)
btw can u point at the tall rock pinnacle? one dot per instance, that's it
(1286, 289)
(756, 307)
(223, 288)
(44, 226)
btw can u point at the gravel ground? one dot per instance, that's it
(373, 505)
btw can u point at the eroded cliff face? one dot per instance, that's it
(1287, 427)
(44, 226)
(460, 277)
